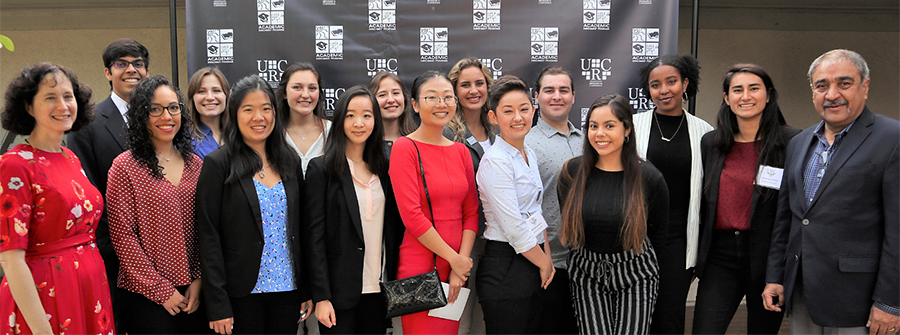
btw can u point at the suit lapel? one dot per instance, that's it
(291, 190)
(852, 140)
(253, 198)
(351, 201)
(115, 124)
(800, 164)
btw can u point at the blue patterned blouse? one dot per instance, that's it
(276, 269)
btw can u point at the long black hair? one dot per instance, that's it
(336, 147)
(634, 229)
(245, 161)
(138, 135)
(771, 148)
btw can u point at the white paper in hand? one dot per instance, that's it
(453, 311)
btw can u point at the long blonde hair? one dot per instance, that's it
(458, 123)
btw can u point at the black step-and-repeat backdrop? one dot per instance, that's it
(602, 43)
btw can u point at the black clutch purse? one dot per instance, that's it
(417, 293)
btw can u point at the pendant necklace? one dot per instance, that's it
(663, 137)
(262, 173)
(164, 157)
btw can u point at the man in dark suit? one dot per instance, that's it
(834, 261)
(126, 62)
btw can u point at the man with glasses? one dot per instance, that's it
(125, 63)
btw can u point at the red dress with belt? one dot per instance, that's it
(451, 185)
(49, 208)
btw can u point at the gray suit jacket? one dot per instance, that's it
(843, 248)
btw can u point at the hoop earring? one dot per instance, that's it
(626, 139)
(684, 98)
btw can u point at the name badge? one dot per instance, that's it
(769, 176)
(537, 223)
(471, 140)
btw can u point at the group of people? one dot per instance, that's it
(242, 209)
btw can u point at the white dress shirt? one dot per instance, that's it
(511, 193)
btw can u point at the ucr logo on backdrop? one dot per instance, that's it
(271, 70)
(596, 70)
(495, 65)
(375, 65)
(486, 15)
(639, 102)
(595, 14)
(331, 97)
(644, 44)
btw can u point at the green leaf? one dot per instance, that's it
(7, 43)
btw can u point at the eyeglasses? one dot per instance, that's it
(173, 109)
(449, 100)
(122, 64)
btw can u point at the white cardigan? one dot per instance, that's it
(696, 128)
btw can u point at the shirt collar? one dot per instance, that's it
(820, 132)
(121, 104)
(549, 131)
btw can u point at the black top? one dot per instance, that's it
(673, 158)
(603, 209)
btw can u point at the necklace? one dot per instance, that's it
(262, 173)
(164, 157)
(663, 137)
(36, 147)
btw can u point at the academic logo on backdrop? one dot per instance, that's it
(584, 112)
(495, 65)
(329, 2)
(644, 44)
(433, 44)
(639, 103)
(486, 14)
(595, 14)
(219, 46)
(432, 2)
(382, 14)
(220, 3)
(375, 65)
(329, 42)
(271, 70)
(270, 15)
(545, 2)
(331, 96)
(544, 44)
(596, 70)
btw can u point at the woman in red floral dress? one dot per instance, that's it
(55, 279)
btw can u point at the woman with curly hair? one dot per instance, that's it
(669, 137)
(150, 194)
(55, 279)
(208, 94)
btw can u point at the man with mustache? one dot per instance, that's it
(833, 263)
(125, 63)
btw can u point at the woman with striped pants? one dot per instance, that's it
(614, 211)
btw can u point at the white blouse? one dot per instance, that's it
(315, 150)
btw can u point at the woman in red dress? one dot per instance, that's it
(450, 230)
(55, 279)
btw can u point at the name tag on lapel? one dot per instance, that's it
(769, 176)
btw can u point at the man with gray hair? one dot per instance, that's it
(833, 263)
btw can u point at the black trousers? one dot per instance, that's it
(674, 280)
(509, 288)
(267, 313)
(140, 315)
(725, 282)
(367, 317)
(559, 315)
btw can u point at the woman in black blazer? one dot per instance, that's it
(355, 227)
(737, 213)
(248, 206)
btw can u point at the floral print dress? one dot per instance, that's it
(49, 208)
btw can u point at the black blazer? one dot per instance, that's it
(762, 208)
(847, 238)
(336, 236)
(229, 225)
(97, 145)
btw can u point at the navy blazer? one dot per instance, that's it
(336, 235)
(97, 145)
(230, 232)
(762, 208)
(846, 241)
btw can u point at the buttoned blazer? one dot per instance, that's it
(762, 207)
(229, 225)
(336, 235)
(97, 145)
(846, 241)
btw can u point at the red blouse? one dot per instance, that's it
(736, 187)
(151, 223)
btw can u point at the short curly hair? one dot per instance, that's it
(138, 135)
(687, 67)
(21, 91)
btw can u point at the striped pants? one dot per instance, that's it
(613, 293)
